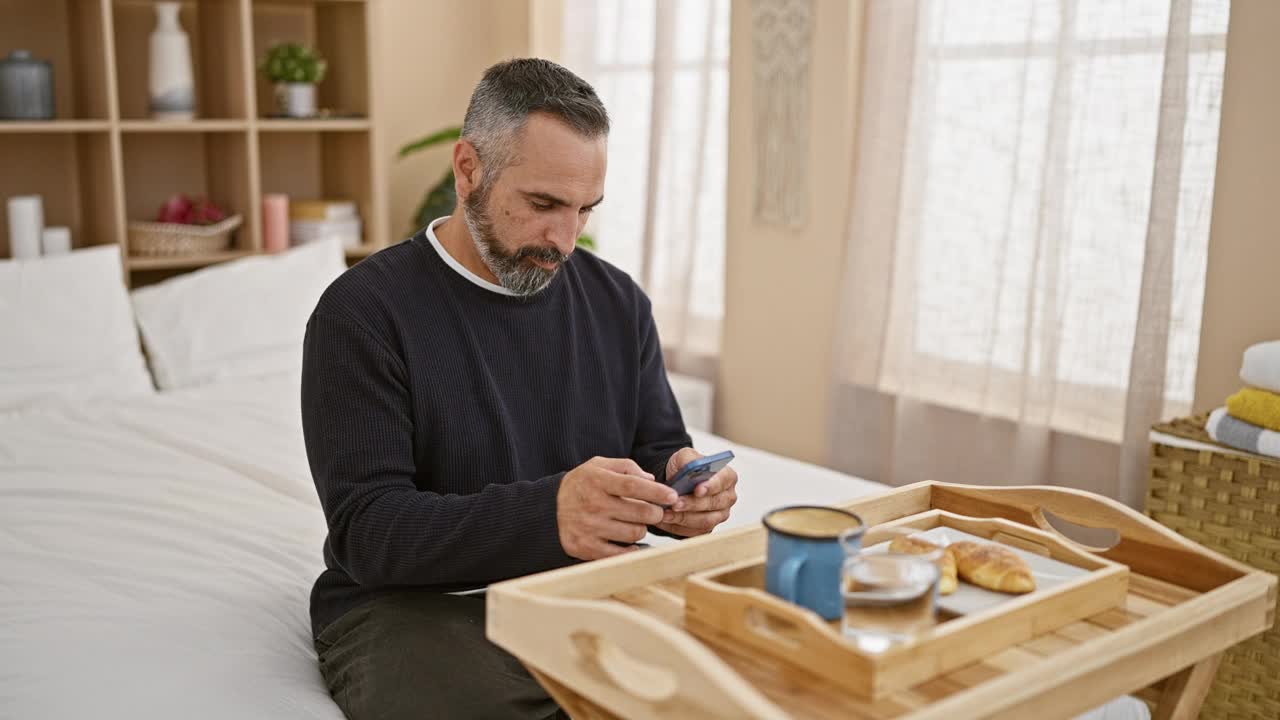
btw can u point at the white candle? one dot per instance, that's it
(26, 220)
(55, 240)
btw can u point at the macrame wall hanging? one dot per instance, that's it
(781, 35)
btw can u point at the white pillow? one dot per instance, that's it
(66, 332)
(241, 319)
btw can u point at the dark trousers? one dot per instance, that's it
(417, 654)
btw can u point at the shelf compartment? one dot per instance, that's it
(72, 174)
(69, 34)
(338, 30)
(216, 33)
(214, 164)
(319, 165)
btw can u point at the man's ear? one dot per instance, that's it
(466, 168)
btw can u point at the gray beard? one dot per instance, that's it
(513, 272)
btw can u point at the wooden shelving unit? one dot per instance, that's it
(104, 161)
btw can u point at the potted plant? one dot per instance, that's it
(441, 199)
(295, 70)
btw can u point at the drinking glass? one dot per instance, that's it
(888, 596)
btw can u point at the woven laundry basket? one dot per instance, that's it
(1229, 501)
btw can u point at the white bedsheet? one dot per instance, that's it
(156, 554)
(157, 559)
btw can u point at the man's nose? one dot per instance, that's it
(563, 233)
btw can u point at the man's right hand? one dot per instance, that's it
(607, 499)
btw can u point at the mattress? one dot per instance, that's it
(158, 552)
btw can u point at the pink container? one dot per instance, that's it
(275, 222)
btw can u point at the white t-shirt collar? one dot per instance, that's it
(452, 262)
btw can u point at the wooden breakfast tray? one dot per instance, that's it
(731, 601)
(608, 639)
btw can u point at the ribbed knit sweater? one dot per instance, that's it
(440, 417)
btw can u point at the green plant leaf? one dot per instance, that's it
(435, 138)
(586, 242)
(438, 202)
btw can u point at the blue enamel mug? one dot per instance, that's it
(805, 555)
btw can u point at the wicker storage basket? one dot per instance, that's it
(1227, 501)
(154, 239)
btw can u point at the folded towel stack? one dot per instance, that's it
(1242, 435)
(1257, 407)
(1251, 419)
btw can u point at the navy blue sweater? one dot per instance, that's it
(440, 417)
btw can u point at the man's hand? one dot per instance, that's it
(607, 499)
(707, 507)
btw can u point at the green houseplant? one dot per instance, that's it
(295, 70)
(441, 198)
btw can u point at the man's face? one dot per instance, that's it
(526, 223)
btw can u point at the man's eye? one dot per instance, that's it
(585, 211)
(540, 206)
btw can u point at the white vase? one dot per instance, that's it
(296, 99)
(172, 92)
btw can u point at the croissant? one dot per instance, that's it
(919, 546)
(993, 567)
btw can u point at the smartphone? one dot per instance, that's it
(699, 471)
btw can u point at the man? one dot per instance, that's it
(480, 402)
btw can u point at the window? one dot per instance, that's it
(663, 219)
(1033, 156)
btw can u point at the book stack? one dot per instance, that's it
(315, 220)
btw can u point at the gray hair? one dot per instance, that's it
(510, 92)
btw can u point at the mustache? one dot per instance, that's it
(544, 254)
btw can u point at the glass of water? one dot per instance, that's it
(888, 597)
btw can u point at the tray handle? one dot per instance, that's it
(1042, 522)
(773, 627)
(763, 621)
(646, 681)
(770, 620)
(617, 656)
(1186, 563)
(1030, 502)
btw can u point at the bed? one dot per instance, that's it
(158, 547)
(159, 552)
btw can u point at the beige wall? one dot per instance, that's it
(545, 20)
(1242, 289)
(780, 292)
(432, 54)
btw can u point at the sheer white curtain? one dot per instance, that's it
(661, 68)
(1028, 235)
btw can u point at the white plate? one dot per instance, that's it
(969, 598)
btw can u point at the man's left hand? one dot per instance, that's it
(709, 504)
